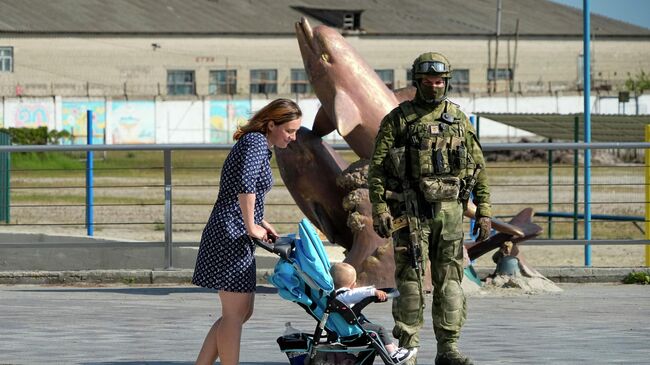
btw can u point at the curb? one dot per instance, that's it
(184, 276)
(578, 274)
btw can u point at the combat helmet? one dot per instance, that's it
(431, 63)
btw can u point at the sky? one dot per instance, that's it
(636, 12)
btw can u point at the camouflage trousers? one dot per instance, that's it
(441, 243)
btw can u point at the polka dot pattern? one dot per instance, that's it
(226, 259)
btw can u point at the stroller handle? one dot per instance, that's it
(282, 247)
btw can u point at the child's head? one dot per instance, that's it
(344, 275)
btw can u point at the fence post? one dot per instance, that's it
(89, 174)
(647, 196)
(168, 209)
(586, 69)
(5, 174)
(550, 191)
(576, 166)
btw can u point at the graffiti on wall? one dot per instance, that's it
(132, 122)
(29, 114)
(74, 116)
(225, 116)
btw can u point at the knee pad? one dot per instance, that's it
(449, 311)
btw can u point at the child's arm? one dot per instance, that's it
(354, 296)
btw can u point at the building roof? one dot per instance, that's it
(561, 127)
(276, 17)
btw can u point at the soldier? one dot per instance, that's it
(427, 160)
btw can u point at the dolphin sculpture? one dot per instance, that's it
(354, 101)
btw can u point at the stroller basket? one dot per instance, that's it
(295, 346)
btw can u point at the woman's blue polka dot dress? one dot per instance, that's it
(226, 258)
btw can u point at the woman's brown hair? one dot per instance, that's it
(279, 111)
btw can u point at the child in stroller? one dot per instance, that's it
(345, 284)
(302, 275)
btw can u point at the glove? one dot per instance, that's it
(483, 226)
(383, 224)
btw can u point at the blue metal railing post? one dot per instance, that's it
(169, 246)
(586, 10)
(576, 167)
(550, 190)
(89, 174)
(473, 120)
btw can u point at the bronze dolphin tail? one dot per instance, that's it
(507, 228)
(309, 168)
(522, 221)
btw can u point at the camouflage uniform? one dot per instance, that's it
(442, 150)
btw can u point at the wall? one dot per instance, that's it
(114, 66)
(214, 121)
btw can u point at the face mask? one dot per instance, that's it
(431, 94)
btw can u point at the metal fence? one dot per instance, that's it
(167, 197)
(297, 88)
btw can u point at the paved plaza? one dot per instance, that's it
(165, 325)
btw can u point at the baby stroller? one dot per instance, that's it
(302, 275)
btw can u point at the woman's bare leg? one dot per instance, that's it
(224, 337)
(209, 350)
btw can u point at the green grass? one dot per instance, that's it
(45, 161)
(637, 277)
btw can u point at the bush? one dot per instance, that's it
(637, 277)
(35, 136)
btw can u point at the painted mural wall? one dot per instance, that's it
(74, 114)
(214, 121)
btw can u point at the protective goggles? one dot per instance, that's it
(431, 67)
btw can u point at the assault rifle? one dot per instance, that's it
(411, 218)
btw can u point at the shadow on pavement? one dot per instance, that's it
(170, 363)
(146, 290)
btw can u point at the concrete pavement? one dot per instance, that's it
(165, 325)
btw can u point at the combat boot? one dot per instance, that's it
(452, 358)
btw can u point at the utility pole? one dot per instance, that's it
(496, 50)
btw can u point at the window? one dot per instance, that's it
(460, 80)
(300, 82)
(502, 74)
(180, 82)
(6, 59)
(387, 77)
(264, 81)
(409, 77)
(223, 82)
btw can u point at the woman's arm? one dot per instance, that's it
(247, 205)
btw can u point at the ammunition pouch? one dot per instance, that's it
(440, 189)
(458, 157)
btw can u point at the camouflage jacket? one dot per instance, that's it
(425, 122)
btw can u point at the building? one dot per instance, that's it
(189, 49)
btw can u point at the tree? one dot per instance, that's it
(638, 84)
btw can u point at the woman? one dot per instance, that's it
(226, 260)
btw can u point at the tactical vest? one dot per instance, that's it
(434, 154)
